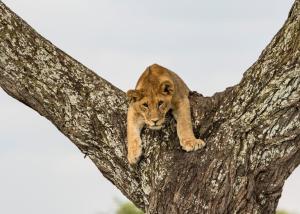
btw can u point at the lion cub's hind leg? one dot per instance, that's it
(134, 142)
(185, 132)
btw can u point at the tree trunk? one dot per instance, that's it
(252, 129)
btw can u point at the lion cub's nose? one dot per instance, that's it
(155, 120)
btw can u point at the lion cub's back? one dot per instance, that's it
(156, 74)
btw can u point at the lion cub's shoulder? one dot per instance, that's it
(155, 74)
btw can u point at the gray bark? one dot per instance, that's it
(252, 129)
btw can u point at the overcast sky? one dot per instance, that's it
(210, 44)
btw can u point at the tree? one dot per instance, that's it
(128, 208)
(252, 129)
(282, 212)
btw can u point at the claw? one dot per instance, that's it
(192, 144)
(134, 153)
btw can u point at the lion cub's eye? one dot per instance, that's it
(160, 103)
(145, 105)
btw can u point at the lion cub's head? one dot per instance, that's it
(153, 102)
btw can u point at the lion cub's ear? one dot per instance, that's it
(134, 95)
(166, 87)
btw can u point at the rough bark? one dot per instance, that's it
(252, 129)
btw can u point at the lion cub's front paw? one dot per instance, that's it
(192, 144)
(134, 153)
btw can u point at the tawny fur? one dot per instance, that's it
(157, 91)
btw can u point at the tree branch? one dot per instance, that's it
(83, 106)
(252, 130)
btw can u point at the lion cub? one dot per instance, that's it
(157, 91)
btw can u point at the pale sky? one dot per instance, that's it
(210, 44)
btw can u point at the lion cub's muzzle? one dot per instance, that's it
(155, 124)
